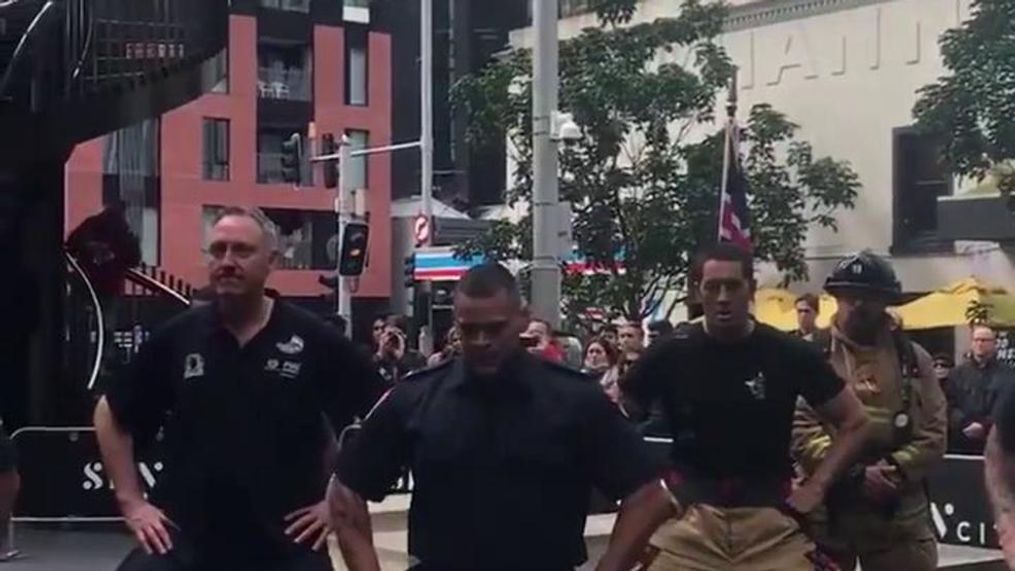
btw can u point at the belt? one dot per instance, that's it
(729, 492)
(485, 567)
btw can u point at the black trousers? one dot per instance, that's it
(186, 557)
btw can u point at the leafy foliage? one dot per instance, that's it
(972, 106)
(643, 180)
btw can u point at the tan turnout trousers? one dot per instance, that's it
(730, 539)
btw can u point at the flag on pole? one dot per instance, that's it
(734, 218)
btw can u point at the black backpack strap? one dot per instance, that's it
(825, 343)
(908, 363)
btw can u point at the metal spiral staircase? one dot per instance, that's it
(76, 69)
(70, 71)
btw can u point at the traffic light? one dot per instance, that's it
(292, 158)
(354, 249)
(410, 271)
(328, 147)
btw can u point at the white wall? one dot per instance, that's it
(847, 72)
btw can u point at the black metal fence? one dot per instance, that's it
(103, 335)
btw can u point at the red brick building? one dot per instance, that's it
(288, 66)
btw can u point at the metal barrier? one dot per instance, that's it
(63, 478)
(64, 481)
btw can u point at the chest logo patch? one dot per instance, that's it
(290, 369)
(272, 365)
(756, 386)
(293, 346)
(193, 366)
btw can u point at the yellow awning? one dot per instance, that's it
(948, 306)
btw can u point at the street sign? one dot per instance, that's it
(421, 229)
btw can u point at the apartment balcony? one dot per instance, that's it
(290, 84)
(287, 5)
(356, 11)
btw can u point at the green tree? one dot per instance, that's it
(972, 107)
(643, 180)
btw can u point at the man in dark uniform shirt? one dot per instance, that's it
(999, 464)
(240, 388)
(504, 448)
(729, 388)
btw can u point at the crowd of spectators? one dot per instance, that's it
(605, 355)
(972, 387)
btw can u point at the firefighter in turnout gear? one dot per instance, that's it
(878, 514)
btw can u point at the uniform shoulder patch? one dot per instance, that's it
(429, 372)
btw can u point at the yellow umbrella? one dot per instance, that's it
(947, 306)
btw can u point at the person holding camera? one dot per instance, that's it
(393, 357)
(538, 339)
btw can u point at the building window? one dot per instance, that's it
(221, 65)
(570, 8)
(303, 236)
(131, 175)
(284, 71)
(216, 149)
(287, 5)
(920, 177)
(566, 8)
(356, 74)
(358, 170)
(269, 155)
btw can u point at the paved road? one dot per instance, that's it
(81, 550)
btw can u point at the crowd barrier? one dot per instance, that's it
(64, 481)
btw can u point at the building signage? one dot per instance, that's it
(960, 510)
(63, 476)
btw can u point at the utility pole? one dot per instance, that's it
(426, 152)
(343, 205)
(545, 192)
(426, 106)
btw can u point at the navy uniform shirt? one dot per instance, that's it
(503, 467)
(243, 427)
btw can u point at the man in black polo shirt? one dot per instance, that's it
(240, 388)
(729, 389)
(504, 448)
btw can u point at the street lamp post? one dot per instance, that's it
(426, 151)
(545, 192)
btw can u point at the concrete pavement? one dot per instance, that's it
(81, 549)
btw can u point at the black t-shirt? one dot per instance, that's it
(503, 469)
(243, 429)
(730, 405)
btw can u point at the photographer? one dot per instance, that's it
(538, 339)
(394, 359)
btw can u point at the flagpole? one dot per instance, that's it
(731, 117)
